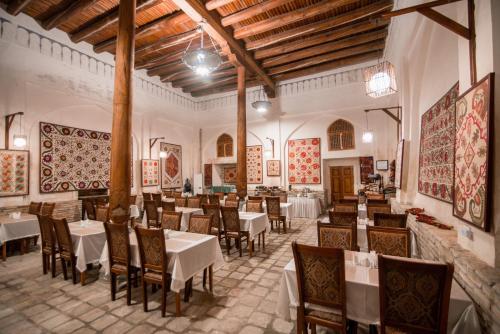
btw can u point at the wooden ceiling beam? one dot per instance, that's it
(325, 48)
(186, 72)
(288, 18)
(106, 20)
(197, 79)
(224, 36)
(320, 38)
(166, 42)
(224, 89)
(412, 9)
(213, 84)
(330, 66)
(15, 7)
(312, 61)
(161, 60)
(214, 4)
(363, 12)
(75, 8)
(144, 30)
(252, 11)
(166, 69)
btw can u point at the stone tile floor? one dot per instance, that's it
(244, 298)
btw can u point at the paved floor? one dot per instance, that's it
(244, 298)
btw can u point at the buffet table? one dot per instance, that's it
(304, 207)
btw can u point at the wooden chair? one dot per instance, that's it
(345, 207)
(342, 218)
(48, 209)
(376, 201)
(254, 206)
(232, 230)
(49, 244)
(338, 236)
(200, 224)
(102, 213)
(168, 206)
(154, 265)
(214, 199)
(274, 212)
(255, 198)
(232, 204)
(65, 247)
(35, 208)
(117, 236)
(375, 197)
(177, 194)
(180, 201)
(120, 219)
(389, 241)
(423, 285)
(168, 193)
(214, 210)
(157, 199)
(381, 208)
(283, 197)
(171, 220)
(203, 199)
(220, 194)
(232, 197)
(133, 199)
(89, 209)
(152, 218)
(194, 202)
(354, 200)
(147, 196)
(390, 220)
(321, 282)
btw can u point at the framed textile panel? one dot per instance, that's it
(473, 151)
(365, 168)
(382, 164)
(73, 159)
(229, 175)
(304, 161)
(254, 164)
(207, 175)
(14, 178)
(171, 166)
(437, 142)
(273, 168)
(150, 172)
(399, 163)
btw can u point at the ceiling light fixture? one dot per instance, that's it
(202, 61)
(261, 104)
(367, 134)
(380, 80)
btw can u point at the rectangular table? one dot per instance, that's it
(362, 296)
(188, 254)
(285, 209)
(88, 239)
(14, 229)
(186, 214)
(255, 223)
(304, 207)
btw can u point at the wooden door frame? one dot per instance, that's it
(342, 177)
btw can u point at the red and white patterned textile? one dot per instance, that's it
(254, 164)
(304, 161)
(14, 176)
(150, 172)
(171, 166)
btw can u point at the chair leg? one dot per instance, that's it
(228, 244)
(145, 295)
(129, 288)
(73, 273)
(210, 278)
(372, 329)
(204, 277)
(241, 248)
(112, 282)
(284, 226)
(44, 263)
(264, 240)
(64, 268)
(313, 328)
(163, 299)
(250, 246)
(53, 265)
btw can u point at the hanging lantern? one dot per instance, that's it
(380, 80)
(202, 61)
(261, 104)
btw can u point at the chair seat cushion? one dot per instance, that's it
(153, 276)
(235, 234)
(118, 268)
(276, 217)
(392, 330)
(331, 316)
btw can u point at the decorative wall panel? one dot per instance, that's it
(207, 175)
(473, 145)
(399, 163)
(171, 166)
(304, 161)
(14, 173)
(229, 175)
(273, 168)
(365, 168)
(150, 172)
(437, 141)
(73, 159)
(254, 164)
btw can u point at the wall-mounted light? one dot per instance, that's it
(269, 149)
(367, 134)
(20, 141)
(152, 142)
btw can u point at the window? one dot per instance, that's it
(224, 146)
(340, 136)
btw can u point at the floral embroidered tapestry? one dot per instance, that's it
(207, 177)
(230, 175)
(273, 168)
(150, 172)
(254, 164)
(304, 161)
(14, 175)
(171, 166)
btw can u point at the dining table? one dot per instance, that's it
(17, 226)
(362, 296)
(186, 215)
(305, 207)
(187, 254)
(285, 209)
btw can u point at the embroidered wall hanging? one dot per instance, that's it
(229, 175)
(365, 168)
(171, 166)
(254, 164)
(150, 172)
(399, 164)
(437, 141)
(304, 161)
(14, 173)
(207, 176)
(472, 177)
(273, 168)
(73, 159)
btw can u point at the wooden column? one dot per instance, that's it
(121, 133)
(241, 162)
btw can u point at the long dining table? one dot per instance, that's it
(187, 253)
(362, 296)
(186, 214)
(17, 228)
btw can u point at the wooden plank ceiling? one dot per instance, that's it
(286, 38)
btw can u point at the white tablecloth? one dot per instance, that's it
(286, 209)
(254, 223)
(303, 207)
(362, 211)
(186, 214)
(363, 297)
(134, 211)
(13, 229)
(188, 254)
(89, 239)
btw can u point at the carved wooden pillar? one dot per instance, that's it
(241, 162)
(121, 133)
